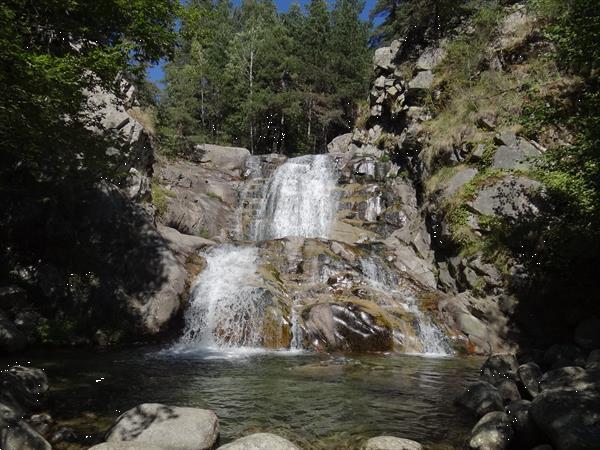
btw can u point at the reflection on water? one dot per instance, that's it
(318, 401)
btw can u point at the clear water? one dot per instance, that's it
(317, 401)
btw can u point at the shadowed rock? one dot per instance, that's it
(168, 426)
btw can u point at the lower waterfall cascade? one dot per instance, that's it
(229, 297)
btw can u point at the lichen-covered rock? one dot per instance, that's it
(391, 443)
(492, 432)
(228, 159)
(511, 197)
(171, 427)
(480, 398)
(260, 441)
(340, 144)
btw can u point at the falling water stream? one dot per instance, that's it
(227, 302)
(319, 401)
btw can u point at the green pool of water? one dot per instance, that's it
(317, 401)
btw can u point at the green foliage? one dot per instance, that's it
(50, 53)
(160, 197)
(272, 82)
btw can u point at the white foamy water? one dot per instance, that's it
(226, 306)
(432, 339)
(299, 200)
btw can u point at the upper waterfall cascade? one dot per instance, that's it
(299, 200)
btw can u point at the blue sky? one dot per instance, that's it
(155, 74)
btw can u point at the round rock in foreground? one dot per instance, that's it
(165, 426)
(260, 441)
(391, 443)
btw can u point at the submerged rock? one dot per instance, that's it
(391, 443)
(171, 427)
(260, 441)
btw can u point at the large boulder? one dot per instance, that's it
(171, 427)
(391, 443)
(569, 417)
(23, 388)
(340, 144)
(260, 441)
(492, 432)
(11, 339)
(227, 159)
(480, 398)
(511, 197)
(572, 377)
(346, 326)
(128, 446)
(499, 367)
(384, 57)
(16, 434)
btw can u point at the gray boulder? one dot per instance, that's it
(492, 432)
(569, 417)
(512, 197)
(172, 427)
(508, 390)
(480, 398)
(391, 443)
(499, 367)
(572, 377)
(127, 446)
(530, 375)
(458, 180)
(23, 388)
(228, 159)
(384, 57)
(564, 355)
(260, 441)
(517, 155)
(11, 339)
(587, 334)
(340, 144)
(20, 436)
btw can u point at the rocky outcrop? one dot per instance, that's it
(562, 408)
(260, 441)
(164, 426)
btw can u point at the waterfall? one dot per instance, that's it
(432, 339)
(226, 303)
(299, 200)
